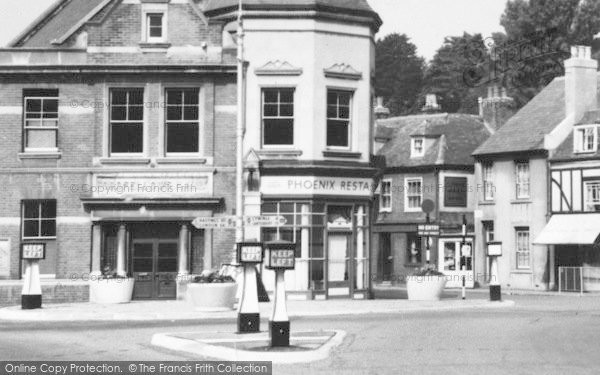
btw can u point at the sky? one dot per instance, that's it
(426, 22)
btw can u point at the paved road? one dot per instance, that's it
(543, 335)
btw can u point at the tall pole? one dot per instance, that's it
(239, 201)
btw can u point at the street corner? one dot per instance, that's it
(306, 346)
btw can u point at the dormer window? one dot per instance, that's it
(586, 138)
(417, 147)
(154, 23)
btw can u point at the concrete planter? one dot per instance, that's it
(111, 291)
(425, 288)
(212, 297)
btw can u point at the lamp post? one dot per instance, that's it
(464, 250)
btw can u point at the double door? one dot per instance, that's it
(154, 263)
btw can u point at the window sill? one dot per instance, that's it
(279, 153)
(154, 46)
(524, 271)
(181, 160)
(116, 160)
(486, 203)
(341, 154)
(40, 155)
(521, 201)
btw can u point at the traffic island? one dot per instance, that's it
(308, 346)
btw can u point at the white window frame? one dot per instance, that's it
(520, 191)
(39, 219)
(522, 248)
(41, 127)
(414, 152)
(167, 121)
(150, 9)
(111, 121)
(587, 202)
(263, 117)
(385, 193)
(349, 119)
(581, 146)
(407, 181)
(487, 175)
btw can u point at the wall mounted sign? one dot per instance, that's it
(33, 251)
(494, 249)
(316, 185)
(455, 191)
(149, 185)
(250, 252)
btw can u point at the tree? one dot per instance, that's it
(399, 73)
(455, 72)
(542, 32)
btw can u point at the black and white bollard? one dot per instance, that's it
(494, 250)
(280, 256)
(464, 287)
(495, 288)
(279, 325)
(249, 254)
(31, 295)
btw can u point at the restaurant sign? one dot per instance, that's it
(316, 185)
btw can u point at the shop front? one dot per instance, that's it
(328, 220)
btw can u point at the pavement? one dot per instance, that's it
(184, 311)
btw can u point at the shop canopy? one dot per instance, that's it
(572, 229)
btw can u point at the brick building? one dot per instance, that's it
(118, 121)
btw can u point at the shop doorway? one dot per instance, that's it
(455, 263)
(338, 268)
(386, 264)
(154, 263)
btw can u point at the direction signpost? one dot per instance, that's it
(222, 222)
(429, 230)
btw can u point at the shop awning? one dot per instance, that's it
(572, 229)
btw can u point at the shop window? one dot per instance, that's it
(40, 128)
(413, 194)
(522, 247)
(455, 191)
(126, 121)
(413, 248)
(339, 216)
(385, 200)
(417, 147)
(278, 116)
(522, 180)
(585, 138)
(592, 196)
(338, 118)
(182, 131)
(39, 219)
(489, 189)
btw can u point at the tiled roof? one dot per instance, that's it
(455, 138)
(565, 150)
(525, 131)
(55, 23)
(350, 7)
(356, 5)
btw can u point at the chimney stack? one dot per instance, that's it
(431, 104)
(581, 86)
(497, 108)
(381, 111)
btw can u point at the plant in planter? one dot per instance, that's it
(212, 291)
(110, 288)
(426, 284)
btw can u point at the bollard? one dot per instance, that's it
(249, 254)
(280, 256)
(494, 251)
(31, 295)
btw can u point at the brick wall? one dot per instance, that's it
(10, 295)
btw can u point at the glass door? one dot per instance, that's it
(337, 265)
(456, 262)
